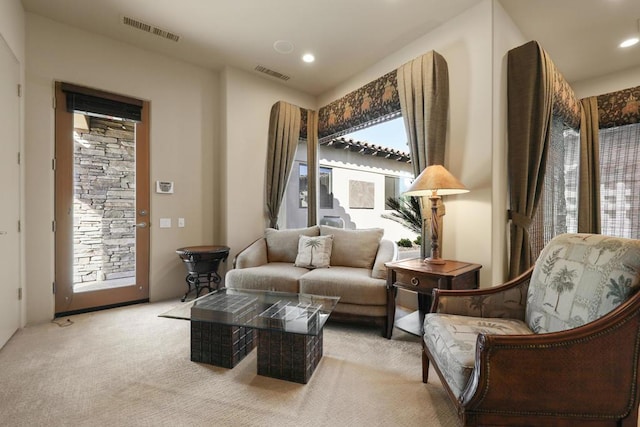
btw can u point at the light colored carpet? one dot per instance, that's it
(129, 367)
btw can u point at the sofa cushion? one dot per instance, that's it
(451, 341)
(353, 248)
(275, 276)
(352, 285)
(579, 278)
(386, 253)
(314, 252)
(282, 245)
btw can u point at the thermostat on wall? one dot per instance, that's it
(164, 187)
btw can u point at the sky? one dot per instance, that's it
(388, 134)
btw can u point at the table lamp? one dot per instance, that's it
(434, 181)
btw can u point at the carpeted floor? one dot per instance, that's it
(129, 367)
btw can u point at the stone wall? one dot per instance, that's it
(104, 201)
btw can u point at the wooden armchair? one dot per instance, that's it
(557, 346)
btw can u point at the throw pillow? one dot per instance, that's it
(354, 248)
(314, 252)
(282, 245)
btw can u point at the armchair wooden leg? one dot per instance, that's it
(425, 365)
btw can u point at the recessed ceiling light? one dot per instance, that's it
(283, 46)
(630, 42)
(307, 57)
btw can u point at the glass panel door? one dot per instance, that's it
(102, 207)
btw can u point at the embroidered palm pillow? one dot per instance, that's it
(314, 251)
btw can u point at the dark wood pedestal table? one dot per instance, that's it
(202, 263)
(418, 276)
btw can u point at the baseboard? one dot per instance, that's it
(102, 307)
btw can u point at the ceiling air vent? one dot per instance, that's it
(132, 22)
(272, 73)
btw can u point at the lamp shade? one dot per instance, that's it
(435, 178)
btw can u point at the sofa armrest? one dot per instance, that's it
(506, 301)
(253, 255)
(580, 365)
(387, 251)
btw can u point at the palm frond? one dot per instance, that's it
(406, 211)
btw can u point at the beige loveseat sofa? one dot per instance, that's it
(356, 271)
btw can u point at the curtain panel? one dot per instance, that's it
(589, 176)
(530, 100)
(423, 91)
(312, 167)
(284, 132)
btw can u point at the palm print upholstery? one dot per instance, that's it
(578, 278)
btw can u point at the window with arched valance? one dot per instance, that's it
(418, 91)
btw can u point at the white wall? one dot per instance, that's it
(608, 83)
(183, 137)
(246, 105)
(12, 30)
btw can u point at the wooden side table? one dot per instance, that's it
(417, 276)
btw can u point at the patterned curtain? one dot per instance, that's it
(589, 184)
(375, 102)
(530, 99)
(284, 131)
(312, 167)
(423, 89)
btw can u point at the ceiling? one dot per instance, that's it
(346, 36)
(581, 36)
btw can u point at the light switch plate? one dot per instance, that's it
(180, 222)
(165, 222)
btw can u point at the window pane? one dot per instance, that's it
(557, 210)
(293, 213)
(326, 189)
(354, 179)
(367, 167)
(620, 181)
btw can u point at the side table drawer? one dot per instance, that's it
(417, 281)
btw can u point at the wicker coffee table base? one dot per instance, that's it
(282, 355)
(220, 345)
(287, 356)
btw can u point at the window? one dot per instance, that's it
(325, 190)
(558, 208)
(394, 186)
(619, 184)
(620, 181)
(377, 170)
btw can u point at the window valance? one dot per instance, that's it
(565, 103)
(374, 102)
(619, 108)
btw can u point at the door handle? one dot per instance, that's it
(140, 225)
(2, 233)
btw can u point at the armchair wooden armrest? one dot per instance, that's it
(507, 300)
(253, 255)
(588, 368)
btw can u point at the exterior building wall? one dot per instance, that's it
(357, 187)
(104, 202)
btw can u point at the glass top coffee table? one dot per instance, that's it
(286, 327)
